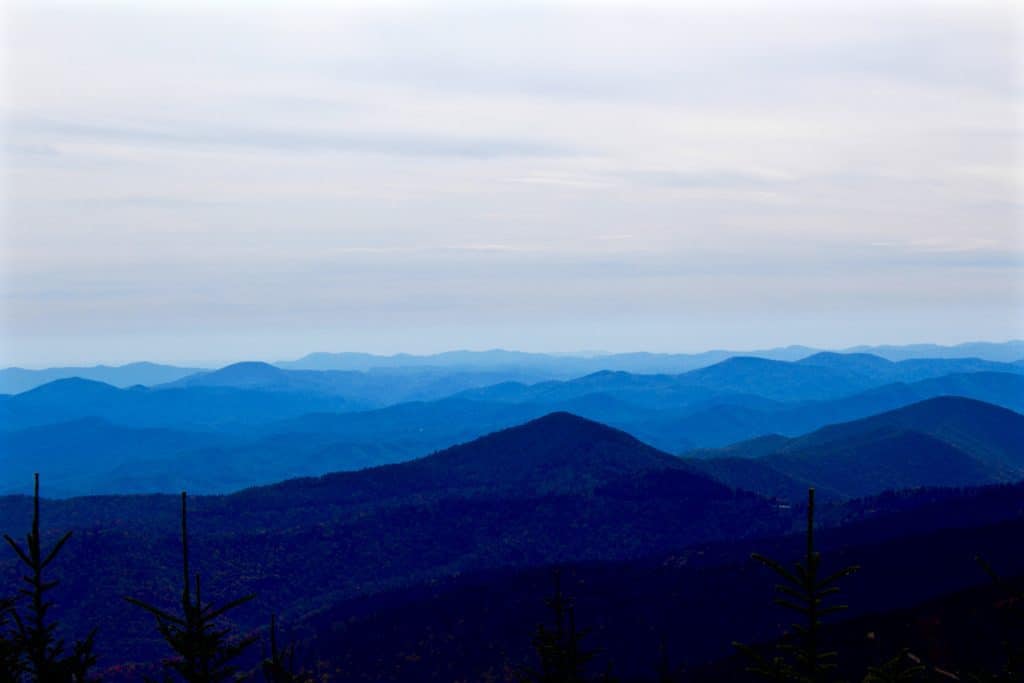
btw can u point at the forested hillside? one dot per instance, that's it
(439, 567)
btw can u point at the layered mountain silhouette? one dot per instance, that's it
(266, 423)
(557, 454)
(373, 388)
(17, 380)
(559, 488)
(413, 539)
(1003, 352)
(907, 370)
(195, 407)
(946, 441)
(568, 364)
(83, 456)
(559, 365)
(728, 423)
(818, 377)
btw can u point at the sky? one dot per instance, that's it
(210, 182)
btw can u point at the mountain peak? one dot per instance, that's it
(850, 360)
(984, 431)
(562, 425)
(955, 405)
(250, 367)
(746, 361)
(561, 418)
(71, 385)
(557, 454)
(243, 374)
(559, 451)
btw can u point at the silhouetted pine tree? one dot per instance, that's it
(205, 649)
(279, 667)
(563, 659)
(804, 591)
(38, 652)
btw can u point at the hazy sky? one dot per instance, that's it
(261, 180)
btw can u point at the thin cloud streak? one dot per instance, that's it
(294, 140)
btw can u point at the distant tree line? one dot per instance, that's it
(205, 649)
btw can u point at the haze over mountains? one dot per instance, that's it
(254, 423)
(15, 380)
(413, 492)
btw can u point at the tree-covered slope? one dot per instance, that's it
(559, 488)
(946, 441)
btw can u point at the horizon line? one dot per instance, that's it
(582, 353)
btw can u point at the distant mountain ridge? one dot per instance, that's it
(263, 423)
(1005, 352)
(817, 377)
(560, 364)
(945, 441)
(195, 407)
(726, 424)
(86, 455)
(17, 380)
(641, 362)
(365, 390)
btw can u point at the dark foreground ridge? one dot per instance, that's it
(438, 569)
